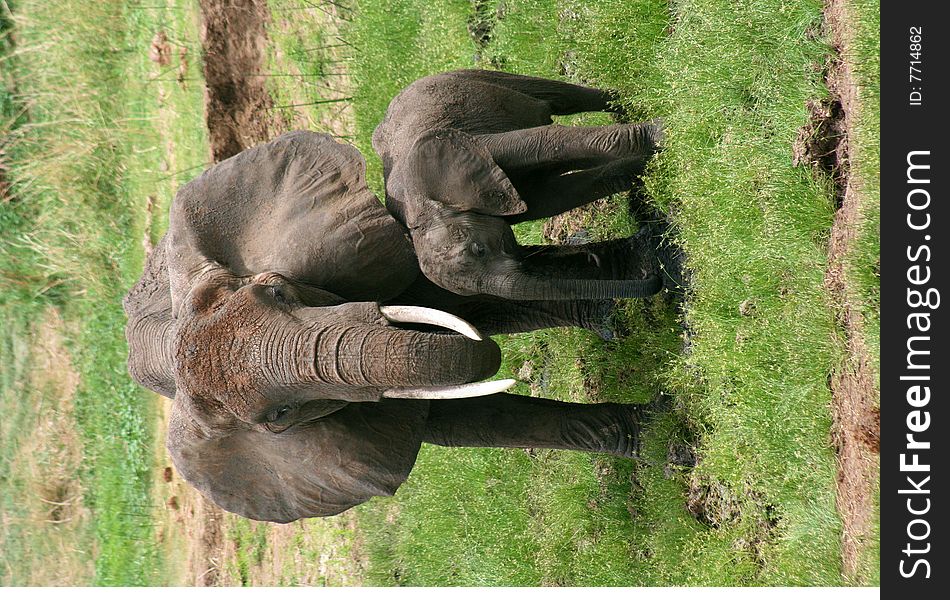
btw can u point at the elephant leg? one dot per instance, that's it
(512, 421)
(563, 98)
(570, 147)
(552, 194)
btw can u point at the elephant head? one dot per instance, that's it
(455, 198)
(260, 314)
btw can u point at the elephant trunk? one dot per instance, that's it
(151, 351)
(520, 286)
(379, 356)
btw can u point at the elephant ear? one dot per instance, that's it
(149, 330)
(298, 206)
(313, 469)
(453, 168)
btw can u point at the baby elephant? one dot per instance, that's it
(466, 154)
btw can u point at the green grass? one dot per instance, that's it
(305, 48)
(82, 165)
(395, 43)
(731, 80)
(250, 540)
(38, 469)
(753, 226)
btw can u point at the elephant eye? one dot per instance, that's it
(278, 293)
(276, 421)
(477, 249)
(278, 414)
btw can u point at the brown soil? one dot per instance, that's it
(160, 51)
(238, 109)
(855, 391)
(190, 527)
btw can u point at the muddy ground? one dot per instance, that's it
(238, 108)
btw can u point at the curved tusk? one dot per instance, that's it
(430, 316)
(467, 390)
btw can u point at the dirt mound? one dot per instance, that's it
(238, 109)
(856, 428)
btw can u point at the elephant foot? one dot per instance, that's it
(606, 428)
(654, 253)
(641, 255)
(600, 317)
(655, 132)
(671, 261)
(623, 439)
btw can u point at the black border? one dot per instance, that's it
(906, 128)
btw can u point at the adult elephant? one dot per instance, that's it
(466, 154)
(271, 313)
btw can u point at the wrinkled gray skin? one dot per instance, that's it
(466, 154)
(259, 313)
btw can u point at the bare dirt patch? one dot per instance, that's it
(160, 51)
(855, 391)
(189, 527)
(238, 109)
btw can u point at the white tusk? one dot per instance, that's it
(430, 316)
(466, 390)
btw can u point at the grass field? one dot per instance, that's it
(84, 161)
(745, 365)
(732, 82)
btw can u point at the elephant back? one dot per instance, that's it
(299, 206)
(473, 101)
